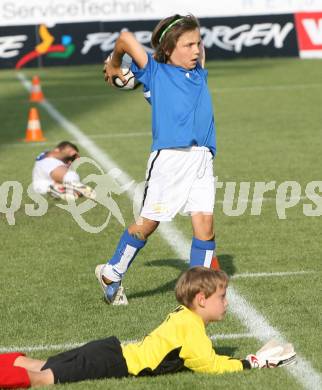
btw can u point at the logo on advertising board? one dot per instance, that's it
(239, 38)
(252, 36)
(90, 43)
(309, 34)
(47, 48)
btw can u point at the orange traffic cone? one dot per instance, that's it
(34, 132)
(36, 94)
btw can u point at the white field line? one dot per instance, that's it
(122, 135)
(269, 198)
(58, 98)
(255, 322)
(266, 199)
(26, 144)
(67, 346)
(251, 275)
(266, 87)
(270, 274)
(94, 136)
(213, 90)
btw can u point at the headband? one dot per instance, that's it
(168, 28)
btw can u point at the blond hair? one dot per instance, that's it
(199, 279)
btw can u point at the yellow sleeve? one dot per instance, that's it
(199, 355)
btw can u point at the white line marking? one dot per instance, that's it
(79, 97)
(247, 275)
(213, 90)
(122, 135)
(266, 87)
(270, 274)
(255, 200)
(25, 144)
(67, 346)
(232, 336)
(247, 314)
(95, 136)
(44, 347)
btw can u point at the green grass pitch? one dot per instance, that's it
(268, 116)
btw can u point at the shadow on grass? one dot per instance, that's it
(167, 287)
(226, 264)
(225, 261)
(228, 351)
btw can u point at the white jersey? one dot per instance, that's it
(41, 179)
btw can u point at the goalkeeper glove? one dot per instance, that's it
(273, 354)
(80, 189)
(71, 191)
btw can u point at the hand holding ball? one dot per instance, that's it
(131, 82)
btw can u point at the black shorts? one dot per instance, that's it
(95, 360)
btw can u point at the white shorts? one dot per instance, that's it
(178, 180)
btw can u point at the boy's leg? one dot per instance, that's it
(95, 360)
(29, 364)
(203, 246)
(42, 378)
(130, 243)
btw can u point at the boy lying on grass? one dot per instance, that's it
(179, 343)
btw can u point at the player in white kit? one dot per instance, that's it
(52, 173)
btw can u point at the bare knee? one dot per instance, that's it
(41, 378)
(29, 364)
(202, 225)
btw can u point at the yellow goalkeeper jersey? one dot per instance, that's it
(179, 343)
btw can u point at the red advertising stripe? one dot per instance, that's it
(309, 30)
(34, 54)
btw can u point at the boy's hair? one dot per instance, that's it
(168, 31)
(199, 279)
(62, 145)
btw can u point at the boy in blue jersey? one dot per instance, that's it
(179, 174)
(179, 343)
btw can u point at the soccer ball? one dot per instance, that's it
(131, 82)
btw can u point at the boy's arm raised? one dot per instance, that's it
(126, 43)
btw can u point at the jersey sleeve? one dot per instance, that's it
(145, 74)
(199, 356)
(49, 164)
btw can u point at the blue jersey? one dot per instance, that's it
(182, 113)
